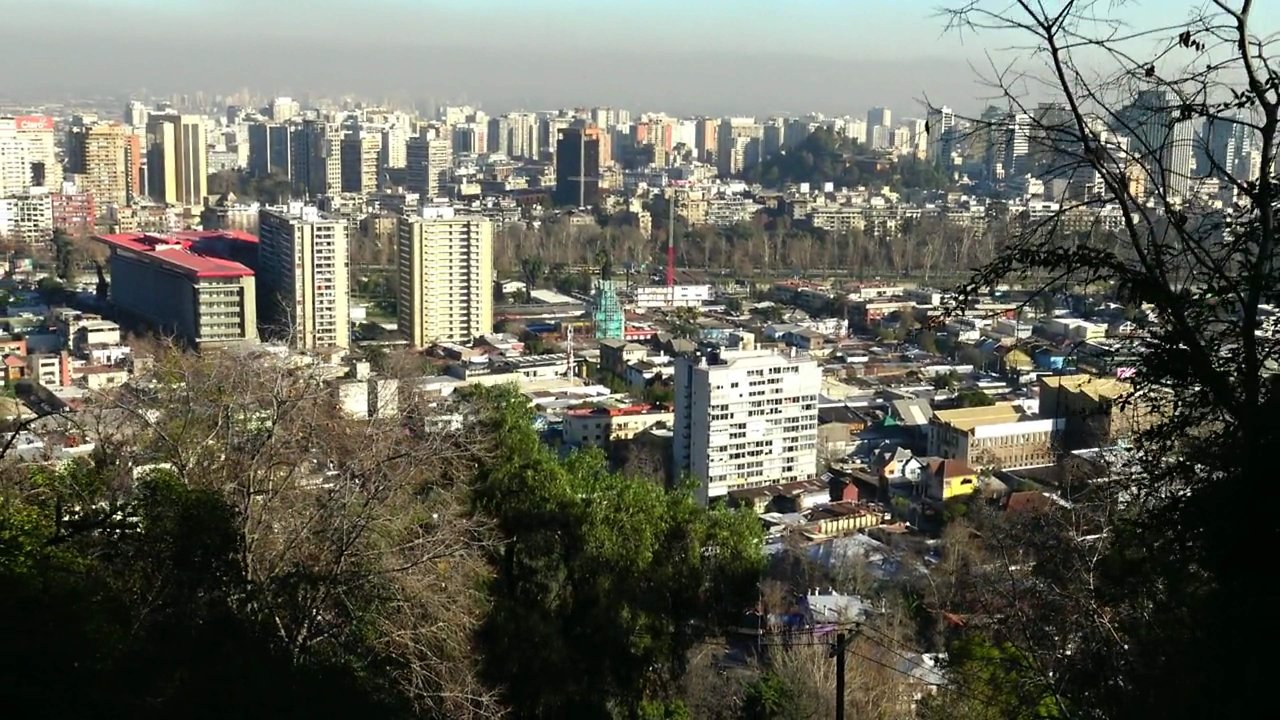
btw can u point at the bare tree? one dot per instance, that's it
(359, 531)
(1197, 246)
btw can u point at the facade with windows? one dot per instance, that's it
(166, 281)
(746, 418)
(302, 267)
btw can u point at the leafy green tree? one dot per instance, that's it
(991, 681)
(64, 251)
(604, 582)
(928, 341)
(973, 398)
(769, 697)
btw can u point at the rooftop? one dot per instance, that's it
(177, 251)
(639, 409)
(950, 468)
(967, 419)
(1092, 385)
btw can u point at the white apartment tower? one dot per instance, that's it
(303, 277)
(445, 268)
(746, 418)
(15, 163)
(941, 131)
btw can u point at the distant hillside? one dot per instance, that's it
(827, 157)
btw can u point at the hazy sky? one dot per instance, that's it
(682, 56)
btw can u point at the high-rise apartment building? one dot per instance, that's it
(360, 161)
(316, 148)
(445, 266)
(284, 108)
(1226, 148)
(177, 159)
(36, 133)
(773, 137)
(705, 138)
(746, 418)
(578, 166)
(99, 153)
(879, 117)
(135, 114)
(738, 143)
(162, 161)
(428, 165)
(549, 127)
(15, 165)
(941, 130)
(303, 277)
(26, 218)
(395, 142)
(470, 138)
(522, 137)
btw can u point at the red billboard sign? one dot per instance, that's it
(34, 122)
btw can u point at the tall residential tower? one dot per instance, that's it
(303, 277)
(746, 418)
(445, 265)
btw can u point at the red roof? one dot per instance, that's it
(216, 234)
(639, 409)
(950, 468)
(176, 251)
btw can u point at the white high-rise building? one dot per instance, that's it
(15, 162)
(283, 108)
(395, 143)
(879, 128)
(303, 277)
(941, 129)
(746, 418)
(522, 139)
(135, 115)
(36, 132)
(445, 275)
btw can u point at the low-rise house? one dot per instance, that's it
(805, 339)
(843, 518)
(615, 355)
(94, 333)
(50, 369)
(100, 377)
(947, 478)
(106, 354)
(13, 345)
(782, 498)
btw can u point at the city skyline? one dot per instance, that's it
(466, 55)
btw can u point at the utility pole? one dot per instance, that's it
(838, 651)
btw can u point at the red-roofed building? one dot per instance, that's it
(600, 426)
(186, 284)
